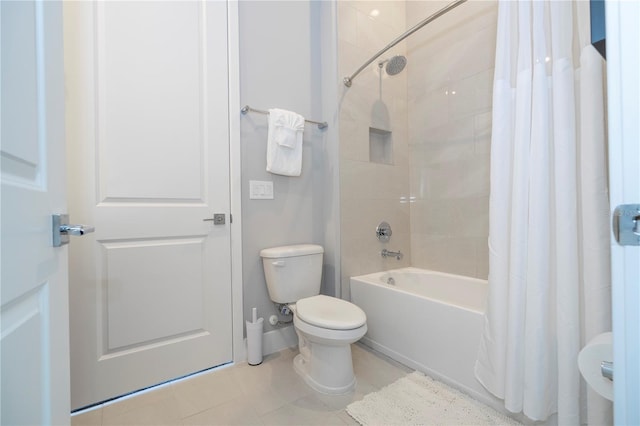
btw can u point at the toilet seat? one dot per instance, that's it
(330, 313)
(327, 336)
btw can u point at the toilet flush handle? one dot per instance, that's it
(278, 263)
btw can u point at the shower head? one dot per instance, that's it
(395, 64)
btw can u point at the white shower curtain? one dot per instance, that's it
(549, 279)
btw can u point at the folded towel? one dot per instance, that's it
(284, 142)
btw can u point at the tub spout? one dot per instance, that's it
(388, 253)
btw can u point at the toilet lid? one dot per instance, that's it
(330, 312)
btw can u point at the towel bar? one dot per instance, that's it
(247, 108)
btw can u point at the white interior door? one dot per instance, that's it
(148, 132)
(623, 92)
(34, 308)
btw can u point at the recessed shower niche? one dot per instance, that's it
(380, 146)
(380, 138)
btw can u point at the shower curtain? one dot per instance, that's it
(549, 279)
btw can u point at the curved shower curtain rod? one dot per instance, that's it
(348, 80)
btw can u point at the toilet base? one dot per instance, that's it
(325, 361)
(301, 365)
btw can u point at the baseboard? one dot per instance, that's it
(276, 340)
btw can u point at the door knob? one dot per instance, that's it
(217, 219)
(61, 229)
(76, 229)
(626, 224)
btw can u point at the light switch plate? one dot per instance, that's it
(260, 190)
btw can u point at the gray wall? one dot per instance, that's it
(284, 63)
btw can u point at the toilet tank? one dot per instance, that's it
(292, 272)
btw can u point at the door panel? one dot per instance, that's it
(154, 109)
(25, 325)
(130, 283)
(147, 115)
(34, 308)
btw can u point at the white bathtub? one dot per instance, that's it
(429, 321)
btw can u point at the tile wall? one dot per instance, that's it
(370, 191)
(435, 194)
(450, 84)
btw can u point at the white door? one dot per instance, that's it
(148, 142)
(34, 307)
(623, 92)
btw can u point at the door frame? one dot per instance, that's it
(623, 67)
(235, 182)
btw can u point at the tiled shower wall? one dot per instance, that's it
(450, 84)
(435, 194)
(370, 191)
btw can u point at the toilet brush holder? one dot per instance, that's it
(254, 342)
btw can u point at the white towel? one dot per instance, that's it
(284, 142)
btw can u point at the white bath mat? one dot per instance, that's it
(419, 400)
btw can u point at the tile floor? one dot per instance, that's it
(269, 394)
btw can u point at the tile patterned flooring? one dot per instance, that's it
(269, 394)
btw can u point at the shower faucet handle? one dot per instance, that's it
(383, 232)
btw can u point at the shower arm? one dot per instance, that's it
(348, 80)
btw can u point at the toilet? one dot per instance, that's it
(326, 326)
